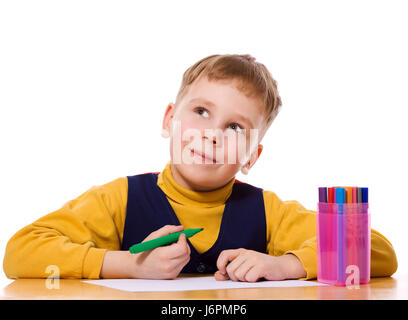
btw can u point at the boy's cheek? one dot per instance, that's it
(236, 148)
(185, 130)
(185, 136)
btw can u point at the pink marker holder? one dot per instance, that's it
(343, 243)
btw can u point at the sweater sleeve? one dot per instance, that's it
(292, 229)
(74, 238)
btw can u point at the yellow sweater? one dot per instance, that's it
(76, 236)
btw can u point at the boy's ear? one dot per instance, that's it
(252, 159)
(255, 155)
(168, 116)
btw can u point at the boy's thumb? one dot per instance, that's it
(164, 231)
(182, 238)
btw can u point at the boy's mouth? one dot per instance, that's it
(203, 156)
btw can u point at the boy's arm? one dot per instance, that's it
(291, 229)
(73, 238)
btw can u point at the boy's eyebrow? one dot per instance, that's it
(212, 104)
(245, 119)
(202, 100)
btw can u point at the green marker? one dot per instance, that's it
(167, 239)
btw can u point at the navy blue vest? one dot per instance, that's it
(243, 223)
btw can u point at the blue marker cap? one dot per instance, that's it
(364, 195)
(340, 195)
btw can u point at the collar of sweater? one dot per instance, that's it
(188, 197)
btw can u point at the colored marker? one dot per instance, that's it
(364, 195)
(359, 195)
(158, 242)
(340, 195)
(331, 227)
(355, 228)
(349, 227)
(364, 266)
(354, 195)
(323, 231)
(340, 200)
(336, 187)
(331, 195)
(322, 194)
(349, 195)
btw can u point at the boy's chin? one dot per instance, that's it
(206, 176)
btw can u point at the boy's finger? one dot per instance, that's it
(163, 231)
(185, 244)
(179, 249)
(180, 263)
(233, 266)
(181, 259)
(182, 239)
(241, 271)
(253, 274)
(221, 277)
(167, 229)
(225, 257)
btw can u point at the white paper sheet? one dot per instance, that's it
(194, 283)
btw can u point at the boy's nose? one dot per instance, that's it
(215, 137)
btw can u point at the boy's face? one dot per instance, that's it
(214, 132)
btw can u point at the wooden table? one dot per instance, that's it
(388, 288)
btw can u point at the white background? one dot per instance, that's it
(84, 86)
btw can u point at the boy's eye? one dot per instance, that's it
(233, 126)
(236, 127)
(201, 111)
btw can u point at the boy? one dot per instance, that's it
(223, 109)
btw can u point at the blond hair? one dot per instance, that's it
(254, 80)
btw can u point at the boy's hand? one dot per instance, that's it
(164, 262)
(250, 266)
(160, 263)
